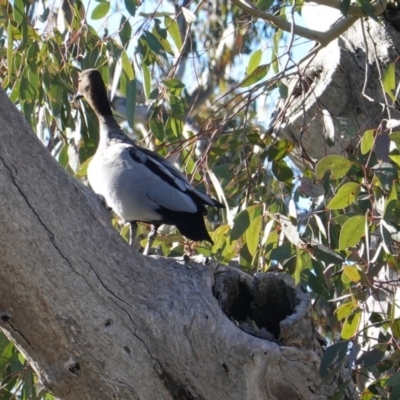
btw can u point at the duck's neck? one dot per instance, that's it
(108, 128)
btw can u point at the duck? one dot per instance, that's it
(138, 184)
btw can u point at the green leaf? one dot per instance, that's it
(264, 4)
(396, 328)
(174, 86)
(240, 224)
(333, 356)
(130, 6)
(101, 10)
(157, 128)
(130, 101)
(279, 150)
(19, 11)
(340, 391)
(283, 90)
(173, 29)
(127, 65)
(367, 8)
(317, 279)
(386, 173)
(161, 35)
(254, 62)
(146, 80)
(367, 141)
(125, 31)
(370, 358)
(345, 196)
(345, 310)
(395, 158)
(82, 171)
(154, 44)
(352, 231)
(389, 80)
(298, 269)
(351, 324)
(326, 254)
(9, 50)
(338, 165)
(352, 273)
(173, 128)
(253, 235)
(282, 252)
(344, 7)
(394, 380)
(258, 74)
(282, 171)
(395, 137)
(177, 107)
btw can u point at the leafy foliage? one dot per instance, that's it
(339, 248)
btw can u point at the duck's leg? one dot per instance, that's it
(150, 239)
(132, 234)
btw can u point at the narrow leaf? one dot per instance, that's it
(352, 273)
(240, 224)
(254, 62)
(333, 356)
(130, 101)
(130, 6)
(389, 80)
(258, 74)
(157, 129)
(101, 10)
(370, 358)
(345, 310)
(253, 235)
(282, 171)
(350, 326)
(367, 141)
(19, 11)
(147, 80)
(127, 65)
(173, 30)
(125, 31)
(9, 50)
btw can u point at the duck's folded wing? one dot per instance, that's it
(162, 187)
(163, 167)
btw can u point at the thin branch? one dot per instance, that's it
(323, 38)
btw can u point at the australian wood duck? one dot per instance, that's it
(138, 184)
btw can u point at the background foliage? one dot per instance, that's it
(196, 81)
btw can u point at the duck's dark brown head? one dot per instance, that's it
(92, 88)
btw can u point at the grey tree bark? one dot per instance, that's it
(99, 321)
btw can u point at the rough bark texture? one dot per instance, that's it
(334, 82)
(99, 321)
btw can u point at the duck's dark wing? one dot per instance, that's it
(170, 175)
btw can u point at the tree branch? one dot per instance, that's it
(323, 38)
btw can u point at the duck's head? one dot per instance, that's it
(91, 86)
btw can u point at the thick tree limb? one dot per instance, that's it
(99, 321)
